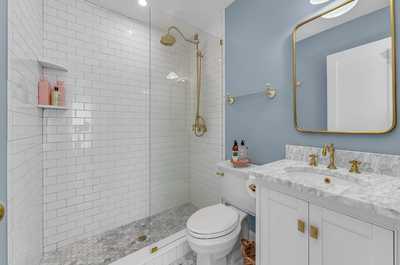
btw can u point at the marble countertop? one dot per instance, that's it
(373, 192)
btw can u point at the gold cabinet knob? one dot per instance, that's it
(220, 174)
(301, 226)
(355, 166)
(2, 211)
(314, 232)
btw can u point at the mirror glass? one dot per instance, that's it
(344, 79)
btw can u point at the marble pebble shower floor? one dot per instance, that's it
(115, 244)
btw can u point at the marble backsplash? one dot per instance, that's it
(371, 162)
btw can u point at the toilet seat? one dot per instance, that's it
(213, 222)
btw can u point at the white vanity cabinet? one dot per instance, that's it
(291, 231)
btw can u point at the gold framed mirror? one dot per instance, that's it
(344, 69)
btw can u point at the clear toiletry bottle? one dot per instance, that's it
(243, 152)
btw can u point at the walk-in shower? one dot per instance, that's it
(117, 170)
(199, 127)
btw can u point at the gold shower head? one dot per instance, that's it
(168, 40)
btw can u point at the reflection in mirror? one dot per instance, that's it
(344, 79)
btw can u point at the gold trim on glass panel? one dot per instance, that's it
(394, 75)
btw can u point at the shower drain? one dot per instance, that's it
(142, 238)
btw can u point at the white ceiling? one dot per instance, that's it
(206, 15)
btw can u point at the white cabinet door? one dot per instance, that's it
(279, 240)
(347, 241)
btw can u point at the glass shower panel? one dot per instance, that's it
(174, 194)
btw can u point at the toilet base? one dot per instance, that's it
(209, 260)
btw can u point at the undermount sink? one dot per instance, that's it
(324, 177)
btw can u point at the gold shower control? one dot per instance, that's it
(2, 211)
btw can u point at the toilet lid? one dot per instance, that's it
(212, 222)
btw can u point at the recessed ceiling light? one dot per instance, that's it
(318, 2)
(142, 3)
(341, 11)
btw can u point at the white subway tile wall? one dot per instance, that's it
(95, 176)
(96, 153)
(206, 151)
(25, 215)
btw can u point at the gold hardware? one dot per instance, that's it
(153, 250)
(313, 160)
(270, 91)
(332, 159)
(301, 226)
(2, 211)
(142, 238)
(314, 232)
(253, 187)
(355, 166)
(327, 180)
(220, 174)
(199, 126)
(231, 100)
(394, 70)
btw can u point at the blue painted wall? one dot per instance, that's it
(258, 51)
(311, 61)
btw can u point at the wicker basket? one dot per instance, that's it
(248, 248)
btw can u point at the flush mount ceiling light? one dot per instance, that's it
(172, 76)
(341, 11)
(318, 2)
(142, 3)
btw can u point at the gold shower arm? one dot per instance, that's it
(195, 41)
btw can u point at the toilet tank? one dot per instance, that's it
(234, 187)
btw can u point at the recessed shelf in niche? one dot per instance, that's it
(52, 65)
(52, 107)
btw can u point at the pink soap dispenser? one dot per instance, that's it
(44, 92)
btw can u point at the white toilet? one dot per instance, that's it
(213, 232)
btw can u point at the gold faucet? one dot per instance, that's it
(332, 159)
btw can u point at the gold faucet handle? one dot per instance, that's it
(313, 160)
(355, 166)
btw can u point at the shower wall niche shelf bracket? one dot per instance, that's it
(52, 107)
(52, 65)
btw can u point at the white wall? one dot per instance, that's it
(24, 133)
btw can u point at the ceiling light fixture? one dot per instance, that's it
(341, 11)
(142, 3)
(318, 2)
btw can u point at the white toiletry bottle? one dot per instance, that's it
(55, 97)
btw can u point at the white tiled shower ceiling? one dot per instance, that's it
(95, 154)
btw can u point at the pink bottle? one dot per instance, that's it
(44, 92)
(60, 85)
